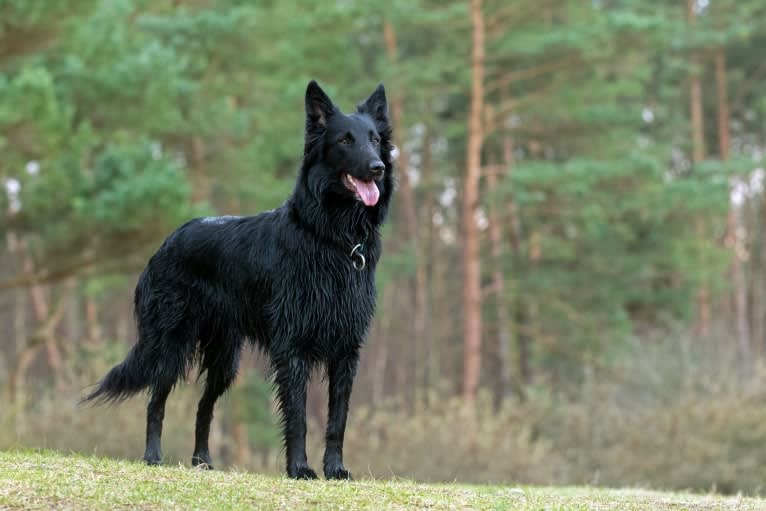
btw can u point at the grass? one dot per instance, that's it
(50, 480)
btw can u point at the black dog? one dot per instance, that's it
(298, 282)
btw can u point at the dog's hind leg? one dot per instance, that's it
(292, 374)
(220, 362)
(167, 367)
(155, 413)
(341, 377)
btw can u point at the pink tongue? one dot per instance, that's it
(368, 192)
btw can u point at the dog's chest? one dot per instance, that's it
(326, 304)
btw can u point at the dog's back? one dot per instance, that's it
(198, 293)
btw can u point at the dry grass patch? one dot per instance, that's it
(50, 480)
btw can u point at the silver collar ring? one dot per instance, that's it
(357, 258)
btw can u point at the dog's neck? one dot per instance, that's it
(335, 220)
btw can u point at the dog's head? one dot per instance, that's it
(348, 156)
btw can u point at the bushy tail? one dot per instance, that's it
(165, 349)
(123, 380)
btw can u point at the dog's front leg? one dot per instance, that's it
(341, 378)
(292, 378)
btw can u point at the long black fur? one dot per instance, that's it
(284, 280)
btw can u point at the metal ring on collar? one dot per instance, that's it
(357, 258)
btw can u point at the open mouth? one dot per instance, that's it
(366, 191)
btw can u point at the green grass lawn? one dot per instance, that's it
(50, 480)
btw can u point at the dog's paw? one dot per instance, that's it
(153, 458)
(301, 472)
(337, 472)
(202, 461)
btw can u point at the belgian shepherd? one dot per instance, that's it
(298, 282)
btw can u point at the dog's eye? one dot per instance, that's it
(346, 140)
(376, 140)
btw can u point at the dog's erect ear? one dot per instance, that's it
(376, 105)
(319, 106)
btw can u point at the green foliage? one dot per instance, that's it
(614, 251)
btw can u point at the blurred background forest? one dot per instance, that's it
(573, 287)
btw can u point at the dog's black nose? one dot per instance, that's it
(377, 167)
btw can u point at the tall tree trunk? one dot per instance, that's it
(406, 192)
(527, 311)
(724, 137)
(501, 306)
(426, 269)
(124, 320)
(241, 444)
(520, 307)
(20, 300)
(471, 241)
(498, 279)
(409, 207)
(73, 320)
(444, 327)
(761, 283)
(382, 339)
(755, 274)
(92, 323)
(698, 155)
(734, 220)
(200, 180)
